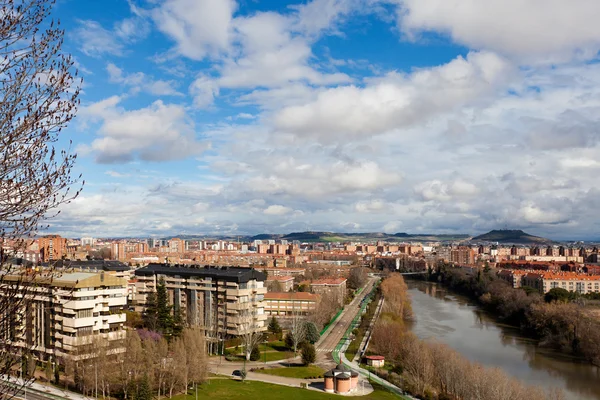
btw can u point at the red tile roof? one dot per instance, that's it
(291, 296)
(330, 281)
(280, 278)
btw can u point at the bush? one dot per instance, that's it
(255, 354)
(309, 354)
(289, 341)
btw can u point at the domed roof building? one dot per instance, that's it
(341, 380)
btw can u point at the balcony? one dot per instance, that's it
(78, 322)
(238, 292)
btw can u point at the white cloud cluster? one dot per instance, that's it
(397, 100)
(139, 81)
(497, 137)
(530, 30)
(159, 132)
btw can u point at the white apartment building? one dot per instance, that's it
(63, 313)
(225, 301)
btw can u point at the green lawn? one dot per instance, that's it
(228, 389)
(294, 372)
(276, 351)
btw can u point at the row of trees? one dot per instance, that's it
(553, 319)
(433, 370)
(150, 366)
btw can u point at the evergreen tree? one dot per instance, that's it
(163, 309)
(150, 317)
(309, 354)
(312, 334)
(274, 326)
(178, 322)
(144, 391)
(289, 341)
(255, 354)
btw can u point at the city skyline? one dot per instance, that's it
(225, 117)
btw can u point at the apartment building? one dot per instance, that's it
(52, 247)
(334, 288)
(115, 268)
(65, 312)
(571, 281)
(222, 300)
(288, 304)
(280, 283)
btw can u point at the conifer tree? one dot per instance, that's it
(150, 316)
(274, 326)
(163, 309)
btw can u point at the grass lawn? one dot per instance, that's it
(276, 351)
(228, 389)
(294, 372)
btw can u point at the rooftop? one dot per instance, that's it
(229, 274)
(280, 278)
(330, 281)
(291, 296)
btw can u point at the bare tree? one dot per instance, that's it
(297, 325)
(249, 330)
(38, 97)
(195, 347)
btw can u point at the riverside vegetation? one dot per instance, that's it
(557, 320)
(431, 370)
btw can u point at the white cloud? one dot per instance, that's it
(95, 40)
(397, 100)
(277, 209)
(199, 28)
(531, 30)
(139, 81)
(159, 132)
(203, 90)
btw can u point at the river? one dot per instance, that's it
(455, 320)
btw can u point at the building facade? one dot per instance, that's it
(573, 282)
(52, 247)
(289, 304)
(225, 301)
(66, 312)
(334, 289)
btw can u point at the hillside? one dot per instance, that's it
(510, 236)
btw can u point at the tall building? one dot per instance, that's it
(222, 300)
(52, 247)
(66, 313)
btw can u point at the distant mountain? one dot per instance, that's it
(510, 236)
(323, 237)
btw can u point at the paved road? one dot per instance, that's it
(329, 341)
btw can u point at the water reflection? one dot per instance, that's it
(458, 322)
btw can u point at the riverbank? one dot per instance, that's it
(558, 325)
(434, 370)
(452, 319)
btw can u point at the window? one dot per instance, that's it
(85, 331)
(87, 313)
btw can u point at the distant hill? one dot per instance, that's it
(510, 236)
(317, 236)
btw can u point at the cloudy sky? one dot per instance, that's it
(224, 116)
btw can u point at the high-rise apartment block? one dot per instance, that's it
(66, 312)
(52, 247)
(222, 300)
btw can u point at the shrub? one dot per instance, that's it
(309, 354)
(255, 354)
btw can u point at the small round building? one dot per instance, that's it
(340, 380)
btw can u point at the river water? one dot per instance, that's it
(455, 320)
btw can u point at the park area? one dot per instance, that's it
(229, 389)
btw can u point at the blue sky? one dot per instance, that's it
(242, 117)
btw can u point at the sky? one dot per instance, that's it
(422, 116)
